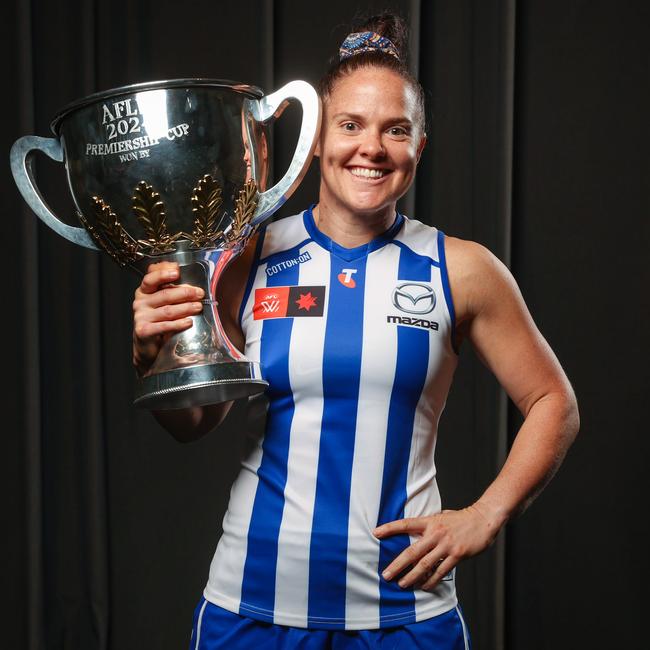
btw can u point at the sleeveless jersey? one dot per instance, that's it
(356, 345)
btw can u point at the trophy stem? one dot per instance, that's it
(200, 365)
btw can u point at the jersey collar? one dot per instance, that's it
(349, 254)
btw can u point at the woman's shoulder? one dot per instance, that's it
(468, 255)
(477, 277)
(462, 254)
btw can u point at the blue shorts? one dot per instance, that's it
(215, 628)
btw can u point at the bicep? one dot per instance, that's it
(505, 337)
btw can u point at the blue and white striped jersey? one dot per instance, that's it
(356, 345)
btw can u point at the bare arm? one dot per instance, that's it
(503, 334)
(492, 315)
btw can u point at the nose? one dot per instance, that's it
(247, 162)
(372, 144)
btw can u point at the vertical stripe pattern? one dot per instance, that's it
(422, 490)
(410, 375)
(306, 378)
(378, 360)
(258, 585)
(353, 406)
(229, 559)
(341, 372)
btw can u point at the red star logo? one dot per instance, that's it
(306, 301)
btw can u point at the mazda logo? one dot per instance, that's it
(414, 298)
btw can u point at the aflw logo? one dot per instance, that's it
(270, 306)
(288, 302)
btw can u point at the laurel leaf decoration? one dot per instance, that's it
(245, 206)
(111, 237)
(206, 203)
(100, 241)
(150, 212)
(110, 224)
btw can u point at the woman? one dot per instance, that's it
(334, 535)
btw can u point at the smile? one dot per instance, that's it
(364, 172)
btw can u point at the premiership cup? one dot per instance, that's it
(175, 171)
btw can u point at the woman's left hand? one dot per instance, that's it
(446, 538)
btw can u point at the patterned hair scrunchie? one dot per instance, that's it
(359, 42)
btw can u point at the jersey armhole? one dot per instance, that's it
(251, 274)
(446, 288)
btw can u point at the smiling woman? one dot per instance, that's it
(334, 535)
(373, 129)
(370, 144)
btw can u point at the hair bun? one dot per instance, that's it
(359, 42)
(389, 26)
(377, 42)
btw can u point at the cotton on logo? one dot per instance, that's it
(346, 279)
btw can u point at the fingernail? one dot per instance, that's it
(402, 583)
(170, 275)
(387, 575)
(197, 305)
(198, 292)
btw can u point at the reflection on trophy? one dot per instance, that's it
(176, 171)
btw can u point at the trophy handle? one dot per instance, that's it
(266, 108)
(21, 168)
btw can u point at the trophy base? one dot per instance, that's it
(199, 385)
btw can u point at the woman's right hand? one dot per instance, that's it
(160, 309)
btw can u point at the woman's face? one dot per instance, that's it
(259, 144)
(370, 142)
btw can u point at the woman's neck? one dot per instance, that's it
(351, 230)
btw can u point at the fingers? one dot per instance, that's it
(167, 320)
(444, 540)
(428, 570)
(172, 295)
(410, 557)
(171, 311)
(168, 310)
(410, 525)
(440, 572)
(162, 308)
(158, 274)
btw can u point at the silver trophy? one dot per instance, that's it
(175, 170)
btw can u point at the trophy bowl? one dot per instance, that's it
(175, 171)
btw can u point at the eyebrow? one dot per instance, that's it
(359, 117)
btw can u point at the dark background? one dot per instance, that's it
(538, 148)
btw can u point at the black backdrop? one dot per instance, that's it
(538, 148)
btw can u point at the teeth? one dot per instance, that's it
(367, 173)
